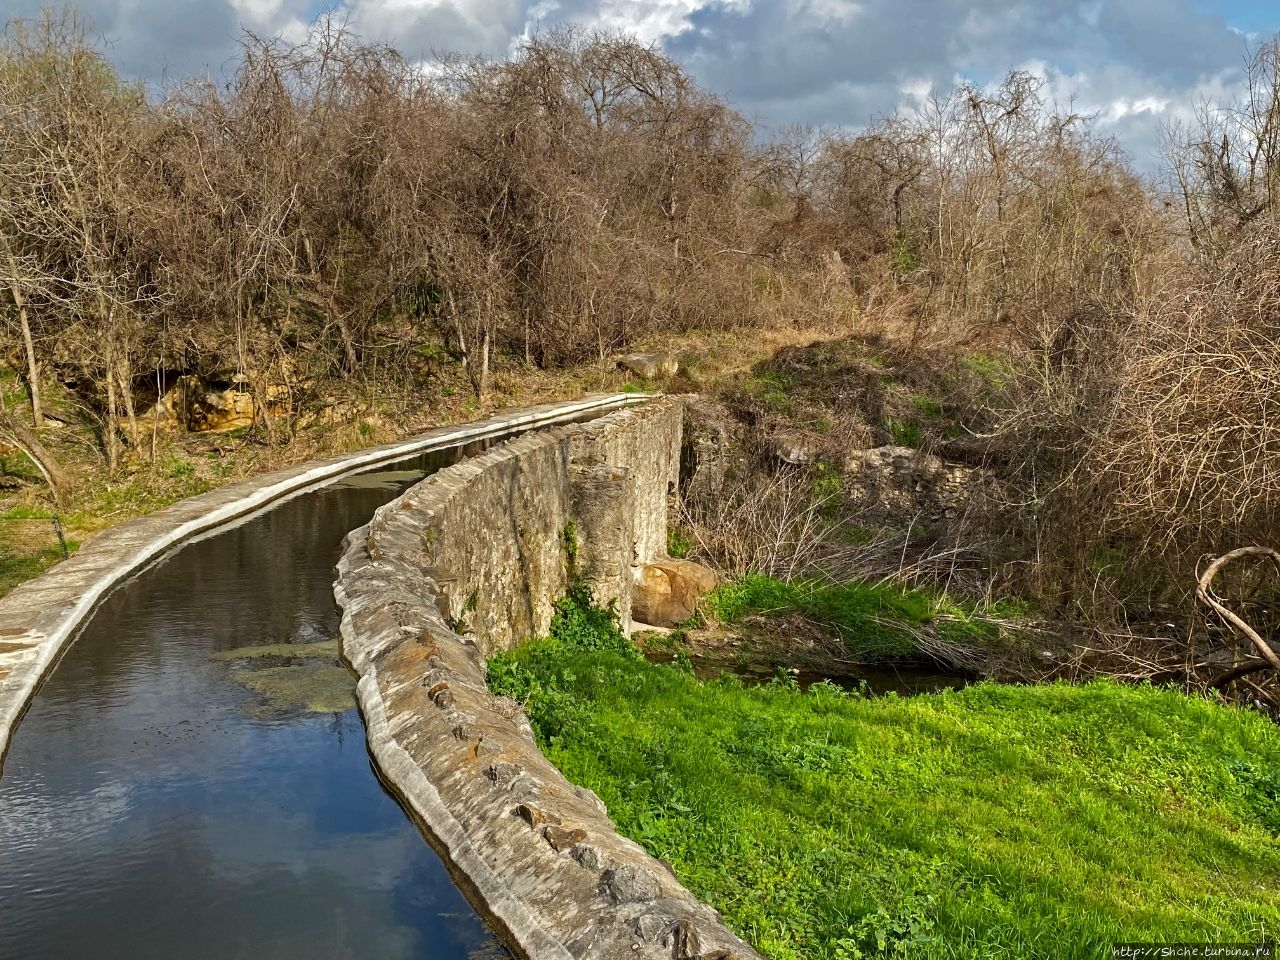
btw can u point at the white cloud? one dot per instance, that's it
(651, 20)
(836, 12)
(1125, 106)
(917, 88)
(258, 11)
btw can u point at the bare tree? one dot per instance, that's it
(1226, 165)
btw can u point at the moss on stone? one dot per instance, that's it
(324, 650)
(305, 688)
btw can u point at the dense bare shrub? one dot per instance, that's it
(332, 207)
(601, 179)
(71, 179)
(762, 522)
(1138, 431)
(1192, 440)
(1226, 164)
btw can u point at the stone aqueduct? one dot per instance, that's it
(468, 561)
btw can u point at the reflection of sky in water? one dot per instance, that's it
(145, 814)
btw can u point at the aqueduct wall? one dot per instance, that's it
(470, 561)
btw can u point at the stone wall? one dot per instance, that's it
(470, 561)
(41, 617)
(645, 442)
(504, 527)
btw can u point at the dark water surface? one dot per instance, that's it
(153, 806)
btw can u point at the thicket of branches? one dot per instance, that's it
(334, 212)
(1140, 432)
(332, 207)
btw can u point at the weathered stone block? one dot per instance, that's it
(604, 532)
(667, 592)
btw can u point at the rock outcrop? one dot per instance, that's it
(906, 482)
(711, 451)
(651, 366)
(198, 405)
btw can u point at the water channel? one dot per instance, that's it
(170, 794)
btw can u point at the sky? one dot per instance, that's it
(1135, 64)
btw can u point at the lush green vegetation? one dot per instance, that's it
(876, 621)
(991, 822)
(679, 543)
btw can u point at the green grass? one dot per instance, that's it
(993, 822)
(19, 465)
(906, 433)
(930, 407)
(679, 543)
(875, 621)
(141, 493)
(176, 466)
(995, 372)
(27, 513)
(773, 389)
(16, 568)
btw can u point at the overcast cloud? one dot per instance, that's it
(826, 62)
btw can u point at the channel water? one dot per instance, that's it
(192, 782)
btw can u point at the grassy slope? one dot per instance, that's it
(991, 822)
(874, 621)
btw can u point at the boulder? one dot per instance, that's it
(216, 411)
(795, 447)
(651, 366)
(667, 591)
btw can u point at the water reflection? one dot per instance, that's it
(150, 806)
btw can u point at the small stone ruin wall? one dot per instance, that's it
(469, 562)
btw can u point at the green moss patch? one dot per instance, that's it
(305, 688)
(326, 650)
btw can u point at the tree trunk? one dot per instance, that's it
(125, 380)
(33, 368)
(482, 388)
(111, 424)
(25, 440)
(110, 438)
(348, 344)
(261, 399)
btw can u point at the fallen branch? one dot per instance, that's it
(1205, 594)
(1241, 670)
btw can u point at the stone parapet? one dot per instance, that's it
(468, 562)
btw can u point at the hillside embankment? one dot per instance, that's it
(859, 497)
(1056, 387)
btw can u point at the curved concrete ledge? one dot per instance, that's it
(40, 618)
(481, 548)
